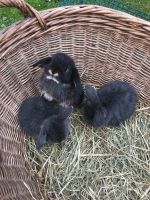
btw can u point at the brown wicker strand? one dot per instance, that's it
(106, 45)
(67, 17)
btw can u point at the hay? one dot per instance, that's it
(109, 164)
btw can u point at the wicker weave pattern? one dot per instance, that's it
(66, 17)
(105, 44)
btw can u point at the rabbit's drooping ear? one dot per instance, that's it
(45, 62)
(76, 80)
(68, 73)
(41, 139)
(91, 93)
(65, 112)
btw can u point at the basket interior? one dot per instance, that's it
(100, 55)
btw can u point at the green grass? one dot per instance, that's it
(143, 5)
(11, 15)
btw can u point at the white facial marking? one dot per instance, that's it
(50, 71)
(47, 96)
(49, 77)
(56, 74)
(63, 104)
(52, 78)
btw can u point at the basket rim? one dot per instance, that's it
(122, 14)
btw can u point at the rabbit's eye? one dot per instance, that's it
(56, 74)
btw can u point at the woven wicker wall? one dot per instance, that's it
(105, 44)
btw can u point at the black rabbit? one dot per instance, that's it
(110, 105)
(60, 80)
(44, 120)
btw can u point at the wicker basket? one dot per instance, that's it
(106, 44)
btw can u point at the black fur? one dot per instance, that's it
(68, 79)
(44, 120)
(110, 105)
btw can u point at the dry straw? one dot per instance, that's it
(112, 163)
